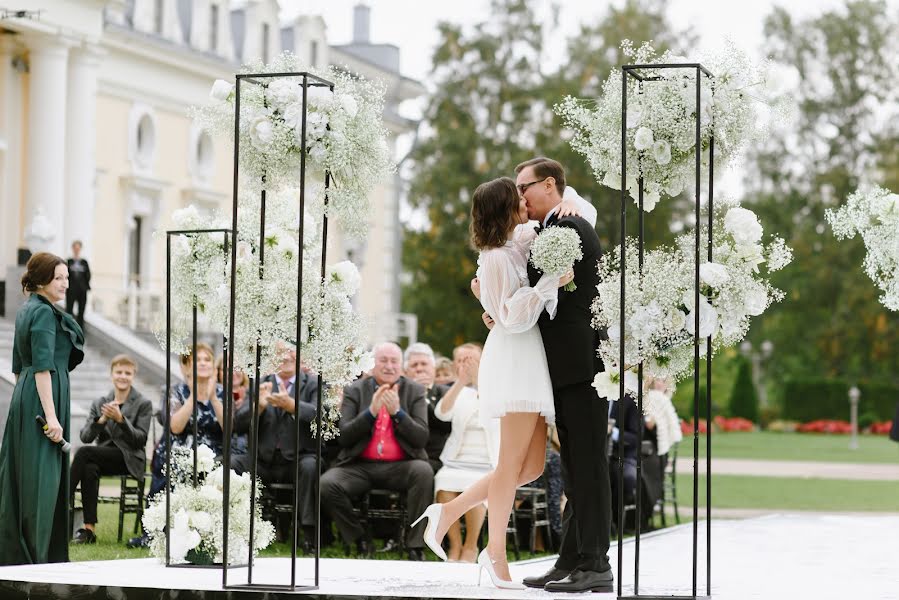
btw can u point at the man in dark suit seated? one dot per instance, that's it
(284, 397)
(625, 431)
(421, 368)
(383, 433)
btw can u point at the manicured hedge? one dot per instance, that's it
(809, 399)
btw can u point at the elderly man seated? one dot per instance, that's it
(383, 433)
(420, 367)
(284, 397)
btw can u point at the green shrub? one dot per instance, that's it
(811, 398)
(744, 401)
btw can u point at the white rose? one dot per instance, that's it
(343, 278)
(319, 96)
(348, 104)
(612, 180)
(645, 321)
(676, 320)
(634, 116)
(713, 274)
(186, 217)
(661, 152)
(643, 138)
(650, 199)
(888, 205)
(363, 363)
(708, 319)
(221, 90)
(743, 225)
(751, 254)
(205, 459)
(756, 301)
(283, 92)
(262, 133)
(608, 384)
(201, 521)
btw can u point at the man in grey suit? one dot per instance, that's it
(284, 397)
(383, 433)
(119, 423)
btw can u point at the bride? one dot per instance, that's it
(513, 377)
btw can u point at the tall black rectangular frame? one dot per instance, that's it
(168, 375)
(308, 80)
(635, 72)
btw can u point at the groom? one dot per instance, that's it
(581, 416)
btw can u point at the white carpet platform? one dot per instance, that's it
(779, 556)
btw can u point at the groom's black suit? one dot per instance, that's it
(581, 416)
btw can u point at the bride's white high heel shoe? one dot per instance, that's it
(485, 563)
(432, 513)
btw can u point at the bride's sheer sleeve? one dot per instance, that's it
(588, 211)
(512, 305)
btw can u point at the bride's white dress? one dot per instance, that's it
(513, 375)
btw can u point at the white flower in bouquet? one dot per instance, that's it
(183, 538)
(221, 90)
(608, 384)
(661, 152)
(743, 225)
(708, 319)
(348, 104)
(643, 139)
(555, 251)
(756, 300)
(713, 274)
(262, 132)
(343, 278)
(750, 254)
(282, 93)
(873, 213)
(205, 459)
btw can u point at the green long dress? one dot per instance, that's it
(34, 472)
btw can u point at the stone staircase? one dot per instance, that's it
(89, 381)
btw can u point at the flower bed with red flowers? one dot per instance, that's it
(734, 424)
(686, 427)
(882, 428)
(825, 426)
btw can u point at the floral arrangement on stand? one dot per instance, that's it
(197, 528)
(873, 213)
(660, 304)
(345, 137)
(661, 128)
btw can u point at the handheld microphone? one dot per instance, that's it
(63, 445)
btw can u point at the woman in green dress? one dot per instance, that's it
(34, 472)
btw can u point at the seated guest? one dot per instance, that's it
(624, 431)
(240, 392)
(443, 372)
(284, 398)
(420, 369)
(210, 412)
(471, 451)
(383, 433)
(118, 423)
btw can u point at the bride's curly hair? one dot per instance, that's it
(494, 211)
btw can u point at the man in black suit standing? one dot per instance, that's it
(284, 397)
(79, 283)
(581, 416)
(383, 433)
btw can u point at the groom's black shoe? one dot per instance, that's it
(583, 581)
(540, 581)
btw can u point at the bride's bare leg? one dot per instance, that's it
(516, 433)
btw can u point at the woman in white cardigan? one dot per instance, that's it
(471, 451)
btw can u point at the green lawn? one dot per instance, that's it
(734, 491)
(763, 445)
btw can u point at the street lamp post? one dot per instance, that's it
(756, 358)
(854, 396)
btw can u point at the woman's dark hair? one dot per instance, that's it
(494, 211)
(40, 270)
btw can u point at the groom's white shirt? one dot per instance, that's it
(588, 210)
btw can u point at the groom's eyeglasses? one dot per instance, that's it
(523, 187)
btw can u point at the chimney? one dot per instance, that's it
(361, 24)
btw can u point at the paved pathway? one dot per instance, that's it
(793, 469)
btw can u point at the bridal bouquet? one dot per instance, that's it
(661, 309)
(874, 214)
(555, 251)
(345, 133)
(196, 530)
(661, 128)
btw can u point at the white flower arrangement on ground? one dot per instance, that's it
(555, 251)
(345, 134)
(661, 129)
(660, 304)
(873, 213)
(197, 514)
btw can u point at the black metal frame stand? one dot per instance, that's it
(637, 73)
(168, 375)
(307, 80)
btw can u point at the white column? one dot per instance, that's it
(46, 168)
(10, 154)
(81, 147)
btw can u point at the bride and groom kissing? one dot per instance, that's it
(537, 367)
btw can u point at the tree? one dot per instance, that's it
(744, 401)
(493, 108)
(830, 322)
